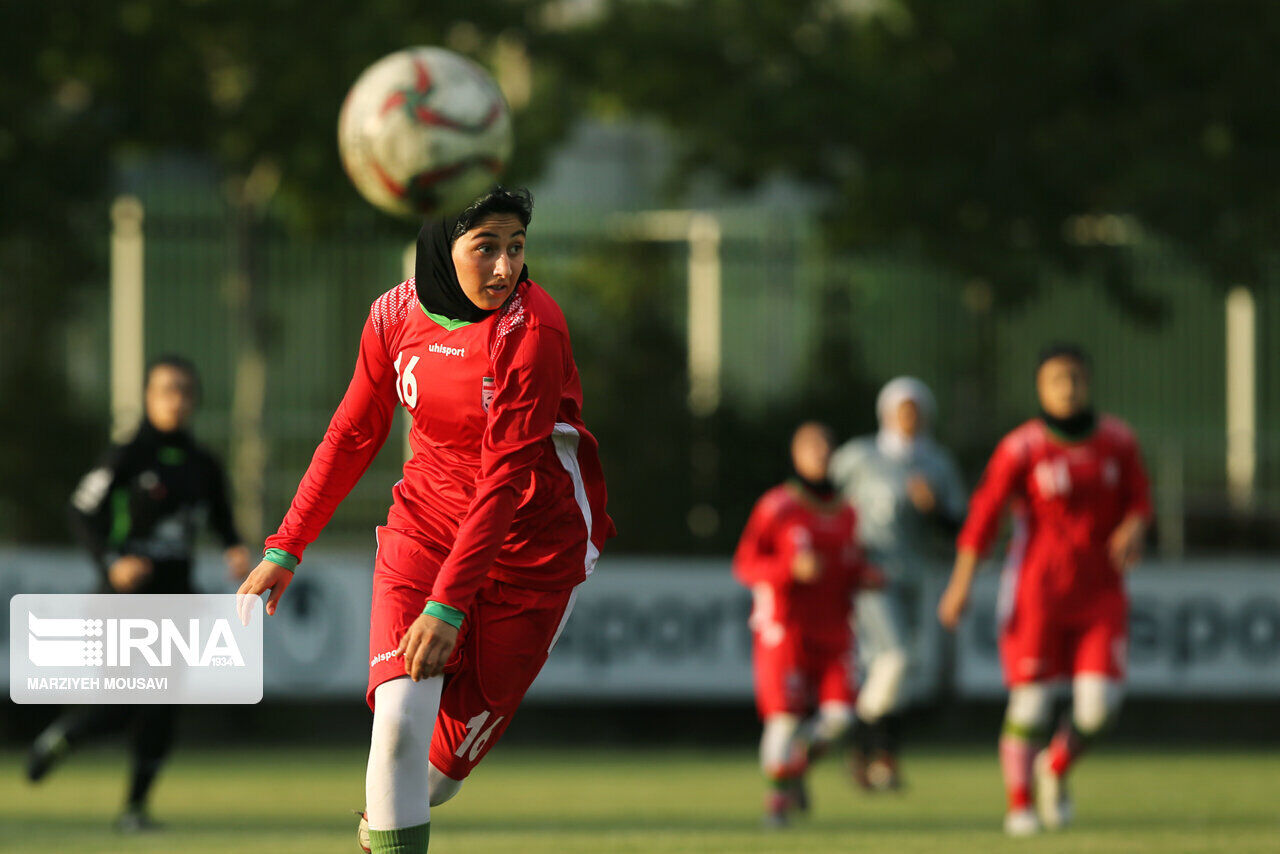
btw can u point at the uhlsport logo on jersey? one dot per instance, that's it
(134, 649)
(447, 351)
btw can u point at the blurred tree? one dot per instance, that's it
(996, 135)
(253, 88)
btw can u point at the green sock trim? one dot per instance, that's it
(1026, 733)
(280, 557)
(402, 840)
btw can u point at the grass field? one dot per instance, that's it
(299, 800)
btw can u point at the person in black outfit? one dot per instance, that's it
(137, 512)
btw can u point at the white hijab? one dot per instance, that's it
(892, 442)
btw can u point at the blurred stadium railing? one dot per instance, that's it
(803, 332)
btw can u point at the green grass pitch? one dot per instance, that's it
(525, 800)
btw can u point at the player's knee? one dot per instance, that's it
(440, 787)
(1095, 703)
(879, 694)
(1030, 706)
(834, 720)
(777, 743)
(402, 721)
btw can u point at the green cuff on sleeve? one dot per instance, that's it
(280, 557)
(444, 612)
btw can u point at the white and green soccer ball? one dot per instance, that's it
(424, 131)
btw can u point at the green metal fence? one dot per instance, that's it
(780, 291)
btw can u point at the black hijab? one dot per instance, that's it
(437, 283)
(1073, 427)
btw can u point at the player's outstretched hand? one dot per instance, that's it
(265, 576)
(1126, 543)
(951, 607)
(426, 647)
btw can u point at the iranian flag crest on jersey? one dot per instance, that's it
(486, 392)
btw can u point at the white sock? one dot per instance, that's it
(395, 784)
(442, 787)
(830, 724)
(778, 743)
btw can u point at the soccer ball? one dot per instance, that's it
(424, 131)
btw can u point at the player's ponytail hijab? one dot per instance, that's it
(437, 283)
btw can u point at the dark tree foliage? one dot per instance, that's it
(996, 136)
(253, 88)
(999, 138)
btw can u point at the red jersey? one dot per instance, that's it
(505, 481)
(1068, 498)
(788, 520)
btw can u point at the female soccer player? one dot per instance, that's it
(800, 558)
(137, 514)
(903, 484)
(499, 516)
(1081, 507)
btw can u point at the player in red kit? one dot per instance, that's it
(800, 558)
(1081, 507)
(499, 516)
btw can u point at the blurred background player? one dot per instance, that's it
(499, 516)
(905, 488)
(137, 513)
(799, 556)
(1081, 509)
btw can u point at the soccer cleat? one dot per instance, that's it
(1021, 822)
(776, 806)
(136, 820)
(362, 833)
(1052, 801)
(47, 751)
(798, 794)
(882, 773)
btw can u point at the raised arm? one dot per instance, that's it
(1126, 541)
(99, 510)
(989, 499)
(759, 557)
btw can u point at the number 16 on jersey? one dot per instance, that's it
(406, 385)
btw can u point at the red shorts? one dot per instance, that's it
(1036, 647)
(506, 638)
(793, 677)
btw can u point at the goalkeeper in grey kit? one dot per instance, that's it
(905, 486)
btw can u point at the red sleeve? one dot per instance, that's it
(988, 501)
(760, 556)
(1134, 479)
(529, 376)
(357, 431)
